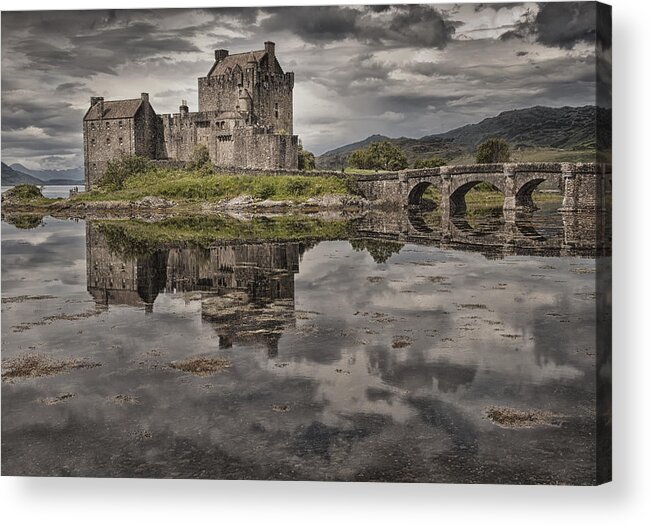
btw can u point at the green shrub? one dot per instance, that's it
(120, 169)
(432, 162)
(264, 190)
(297, 186)
(24, 192)
(492, 151)
(379, 156)
(200, 159)
(306, 160)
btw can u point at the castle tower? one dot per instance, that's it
(252, 83)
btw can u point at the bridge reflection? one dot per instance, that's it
(495, 232)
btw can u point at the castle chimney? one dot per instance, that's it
(144, 97)
(100, 101)
(220, 54)
(183, 108)
(270, 48)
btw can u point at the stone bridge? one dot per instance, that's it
(584, 186)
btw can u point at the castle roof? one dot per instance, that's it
(232, 61)
(114, 109)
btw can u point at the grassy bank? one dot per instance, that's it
(197, 185)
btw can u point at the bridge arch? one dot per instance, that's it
(459, 191)
(417, 191)
(524, 194)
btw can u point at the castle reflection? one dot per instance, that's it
(246, 289)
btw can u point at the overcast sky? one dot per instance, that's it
(399, 71)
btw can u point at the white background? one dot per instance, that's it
(626, 500)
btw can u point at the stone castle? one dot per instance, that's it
(245, 119)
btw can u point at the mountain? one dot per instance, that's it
(565, 128)
(537, 134)
(11, 177)
(71, 176)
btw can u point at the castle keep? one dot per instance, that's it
(245, 119)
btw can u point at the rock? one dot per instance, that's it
(336, 201)
(272, 204)
(240, 201)
(154, 202)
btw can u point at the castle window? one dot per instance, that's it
(94, 166)
(120, 124)
(120, 141)
(92, 142)
(108, 141)
(276, 109)
(108, 125)
(92, 125)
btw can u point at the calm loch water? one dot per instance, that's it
(378, 355)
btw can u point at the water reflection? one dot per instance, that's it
(359, 349)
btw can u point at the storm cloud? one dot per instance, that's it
(397, 70)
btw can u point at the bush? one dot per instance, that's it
(492, 151)
(200, 159)
(306, 159)
(296, 186)
(23, 192)
(432, 162)
(379, 156)
(119, 170)
(264, 191)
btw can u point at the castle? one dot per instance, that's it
(245, 119)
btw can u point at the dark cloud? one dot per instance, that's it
(416, 25)
(70, 86)
(563, 24)
(102, 50)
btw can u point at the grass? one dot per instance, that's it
(196, 185)
(38, 365)
(361, 171)
(202, 366)
(513, 418)
(137, 237)
(538, 155)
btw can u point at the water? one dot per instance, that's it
(54, 191)
(374, 356)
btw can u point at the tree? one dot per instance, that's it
(200, 158)
(432, 162)
(493, 150)
(120, 169)
(306, 159)
(379, 156)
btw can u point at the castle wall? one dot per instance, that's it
(105, 140)
(254, 148)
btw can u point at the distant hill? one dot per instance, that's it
(566, 133)
(71, 176)
(11, 177)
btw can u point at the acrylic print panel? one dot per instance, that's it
(366, 243)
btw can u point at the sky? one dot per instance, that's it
(401, 70)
